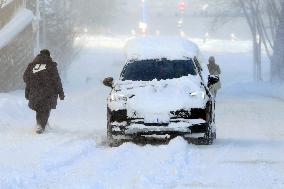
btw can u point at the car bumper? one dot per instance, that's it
(175, 127)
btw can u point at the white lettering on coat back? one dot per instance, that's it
(39, 68)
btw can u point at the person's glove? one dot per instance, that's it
(61, 96)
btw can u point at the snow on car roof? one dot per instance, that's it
(171, 48)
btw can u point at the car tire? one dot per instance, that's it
(110, 140)
(209, 138)
(210, 134)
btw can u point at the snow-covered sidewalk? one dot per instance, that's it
(248, 153)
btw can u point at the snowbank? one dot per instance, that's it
(221, 46)
(172, 48)
(100, 41)
(21, 20)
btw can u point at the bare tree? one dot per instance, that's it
(57, 29)
(264, 19)
(251, 10)
(277, 62)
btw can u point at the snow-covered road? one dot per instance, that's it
(249, 151)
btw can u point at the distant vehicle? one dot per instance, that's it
(162, 91)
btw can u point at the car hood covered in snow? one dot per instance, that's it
(158, 97)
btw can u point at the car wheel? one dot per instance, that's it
(209, 138)
(110, 140)
(210, 134)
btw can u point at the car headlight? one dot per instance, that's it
(118, 97)
(199, 93)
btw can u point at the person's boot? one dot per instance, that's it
(39, 129)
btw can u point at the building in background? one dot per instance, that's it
(26, 26)
(16, 43)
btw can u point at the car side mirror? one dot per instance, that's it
(213, 79)
(108, 82)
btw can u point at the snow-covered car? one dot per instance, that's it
(162, 91)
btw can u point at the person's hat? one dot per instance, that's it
(211, 59)
(45, 52)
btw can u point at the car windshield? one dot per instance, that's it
(148, 70)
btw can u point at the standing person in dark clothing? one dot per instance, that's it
(43, 86)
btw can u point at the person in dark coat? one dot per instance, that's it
(43, 86)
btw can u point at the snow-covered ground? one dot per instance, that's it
(248, 153)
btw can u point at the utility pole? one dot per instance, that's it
(143, 23)
(181, 7)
